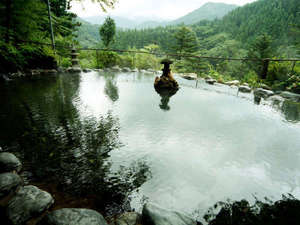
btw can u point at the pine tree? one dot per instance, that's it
(107, 31)
(260, 49)
(186, 41)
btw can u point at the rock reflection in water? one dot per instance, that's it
(165, 98)
(59, 146)
(290, 109)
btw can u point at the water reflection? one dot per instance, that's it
(59, 145)
(111, 88)
(291, 111)
(165, 98)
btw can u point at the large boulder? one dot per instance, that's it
(9, 162)
(28, 202)
(154, 215)
(263, 93)
(129, 218)
(73, 217)
(291, 96)
(244, 89)
(9, 182)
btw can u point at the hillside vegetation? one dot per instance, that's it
(262, 29)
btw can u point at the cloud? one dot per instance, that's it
(156, 9)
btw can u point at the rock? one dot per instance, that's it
(126, 69)
(189, 76)
(154, 215)
(28, 202)
(163, 83)
(129, 218)
(143, 71)
(74, 70)
(17, 74)
(150, 71)
(210, 81)
(263, 93)
(86, 70)
(135, 70)
(264, 86)
(246, 84)
(290, 96)
(116, 69)
(73, 217)
(4, 78)
(244, 89)
(48, 72)
(61, 70)
(233, 82)
(276, 99)
(9, 162)
(9, 182)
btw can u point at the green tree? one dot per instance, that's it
(186, 41)
(261, 49)
(107, 31)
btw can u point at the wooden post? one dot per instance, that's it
(293, 67)
(51, 27)
(265, 68)
(97, 59)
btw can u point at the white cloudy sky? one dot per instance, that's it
(163, 9)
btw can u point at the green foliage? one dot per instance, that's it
(24, 22)
(260, 49)
(106, 59)
(127, 60)
(186, 41)
(251, 78)
(107, 31)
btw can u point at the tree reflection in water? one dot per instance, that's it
(265, 212)
(58, 146)
(111, 88)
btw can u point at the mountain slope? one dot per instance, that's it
(121, 22)
(274, 17)
(208, 11)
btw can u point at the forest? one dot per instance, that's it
(98, 138)
(262, 29)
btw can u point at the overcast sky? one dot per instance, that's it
(155, 9)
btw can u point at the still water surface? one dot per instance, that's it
(205, 145)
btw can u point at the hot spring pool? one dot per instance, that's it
(203, 146)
